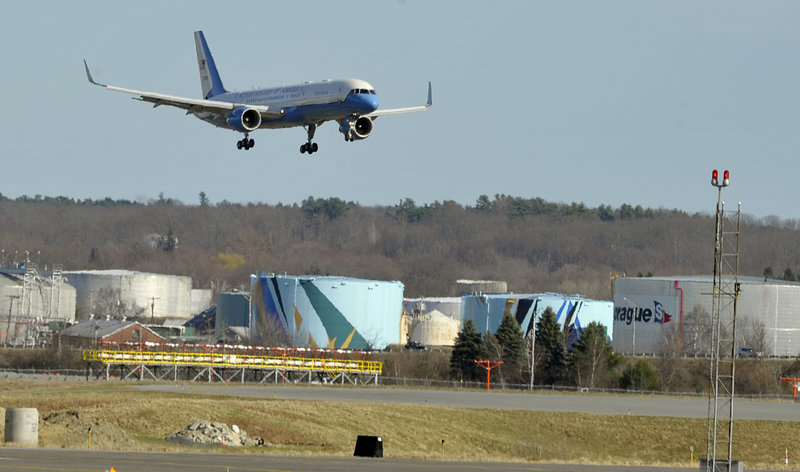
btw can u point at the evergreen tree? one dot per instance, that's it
(509, 337)
(592, 357)
(550, 348)
(639, 376)
(468, 347)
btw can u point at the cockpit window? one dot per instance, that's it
(362, 91)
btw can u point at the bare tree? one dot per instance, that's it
(668, 363)
(754, 334)
(697, 332)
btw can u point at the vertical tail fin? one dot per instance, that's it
(209, 77)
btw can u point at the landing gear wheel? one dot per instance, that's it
(245, 143)
(309, 147)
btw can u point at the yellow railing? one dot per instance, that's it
(224, 359)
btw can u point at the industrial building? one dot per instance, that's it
(232, 320)
(324, 311)
(127, 294)
(647, 310)
(432, 321)
(32, 305)
(572, 312)
(92, 332)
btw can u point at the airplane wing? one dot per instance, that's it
(395, 111)
(191, 105)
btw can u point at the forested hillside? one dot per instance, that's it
(532, 244)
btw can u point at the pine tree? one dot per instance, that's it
(468, 347)
(592, 356)
(551, 348)
(512, 344)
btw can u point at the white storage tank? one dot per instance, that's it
(201, 299)
(646, 309)
(125, 293)
(433, 321)
(468, 287)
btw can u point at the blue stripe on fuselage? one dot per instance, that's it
(358, 104)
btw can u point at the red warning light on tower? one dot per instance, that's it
(725, 179)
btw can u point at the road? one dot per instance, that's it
(586, 403)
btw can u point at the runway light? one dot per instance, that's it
(714, 175)
(726, 178)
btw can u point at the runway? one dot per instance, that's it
(66, 460)
(696, 407)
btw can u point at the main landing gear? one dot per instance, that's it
(245, 143)
(309, 147)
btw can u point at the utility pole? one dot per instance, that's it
(11, 299)
(532, 340)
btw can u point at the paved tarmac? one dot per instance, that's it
(65, 460)
(695, 407)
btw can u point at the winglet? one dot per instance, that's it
(89, 75)
(430, 95)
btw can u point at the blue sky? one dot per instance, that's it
(598, 102)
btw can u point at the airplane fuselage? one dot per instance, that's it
(304, 104)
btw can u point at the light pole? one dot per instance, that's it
(633, 338)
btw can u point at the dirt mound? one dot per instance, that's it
(69, 429)
(207, 432)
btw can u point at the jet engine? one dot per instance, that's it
(244, 119)
(361, 128)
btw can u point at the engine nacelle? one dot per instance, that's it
(361, 128)
(244, 119)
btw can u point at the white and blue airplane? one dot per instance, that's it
(352, 103)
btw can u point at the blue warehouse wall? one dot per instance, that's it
(331, 312)
(487, 311)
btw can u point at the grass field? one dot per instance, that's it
(124, 419)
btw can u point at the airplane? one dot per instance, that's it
(352, 103)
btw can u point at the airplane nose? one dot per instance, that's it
(369, 102)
